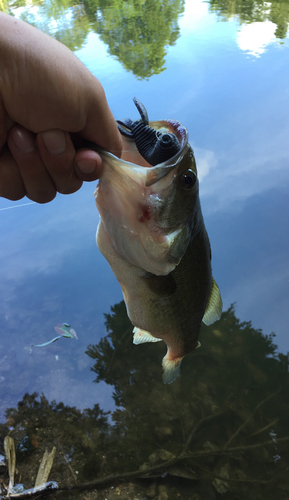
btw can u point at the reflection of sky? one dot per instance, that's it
(50, 273)
(235, 107)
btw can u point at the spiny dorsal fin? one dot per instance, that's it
(141, 336)
(214, 306)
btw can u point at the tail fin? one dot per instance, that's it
(171, 369)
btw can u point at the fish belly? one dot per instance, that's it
(145, 309)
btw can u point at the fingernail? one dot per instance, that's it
(54, 141)
(86, 166)
(23, 141)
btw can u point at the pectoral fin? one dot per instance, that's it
(141, 336)
(214, 306)
(177, 243)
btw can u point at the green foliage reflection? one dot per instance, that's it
(137, 31)
(232, 395)
(64, 20)
(223, 424)
(250, 11)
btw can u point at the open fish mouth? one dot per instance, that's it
(161, 145)
(155, 146)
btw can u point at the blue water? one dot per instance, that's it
(230, 89)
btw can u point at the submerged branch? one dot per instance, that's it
(143, 473)
(250, 417)
(259, 431)
(200, 422)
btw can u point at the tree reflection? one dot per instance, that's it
(223, 423)
(137, 31)
(64, 20)
(233, 392)
(250, 11)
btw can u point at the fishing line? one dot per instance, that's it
(17, 206)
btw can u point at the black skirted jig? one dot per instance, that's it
(154, 146)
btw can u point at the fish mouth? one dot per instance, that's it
(154, 145)
(136, 166)
(155, 174)
(160, 143)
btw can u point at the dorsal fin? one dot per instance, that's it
(214, 305)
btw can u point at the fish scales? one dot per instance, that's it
(153, 236)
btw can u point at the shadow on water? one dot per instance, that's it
(220, 430)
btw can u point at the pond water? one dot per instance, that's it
(220, 430)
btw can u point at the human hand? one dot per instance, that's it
(47, 99)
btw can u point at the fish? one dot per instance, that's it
(152, 233)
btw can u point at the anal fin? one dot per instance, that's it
(141, 336)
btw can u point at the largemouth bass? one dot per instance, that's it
(153, 236)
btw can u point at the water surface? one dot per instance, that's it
(220, 68)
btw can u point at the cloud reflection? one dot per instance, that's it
(254, 38)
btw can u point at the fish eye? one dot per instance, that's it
(188, 179)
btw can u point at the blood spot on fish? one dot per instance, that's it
(145, 213)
